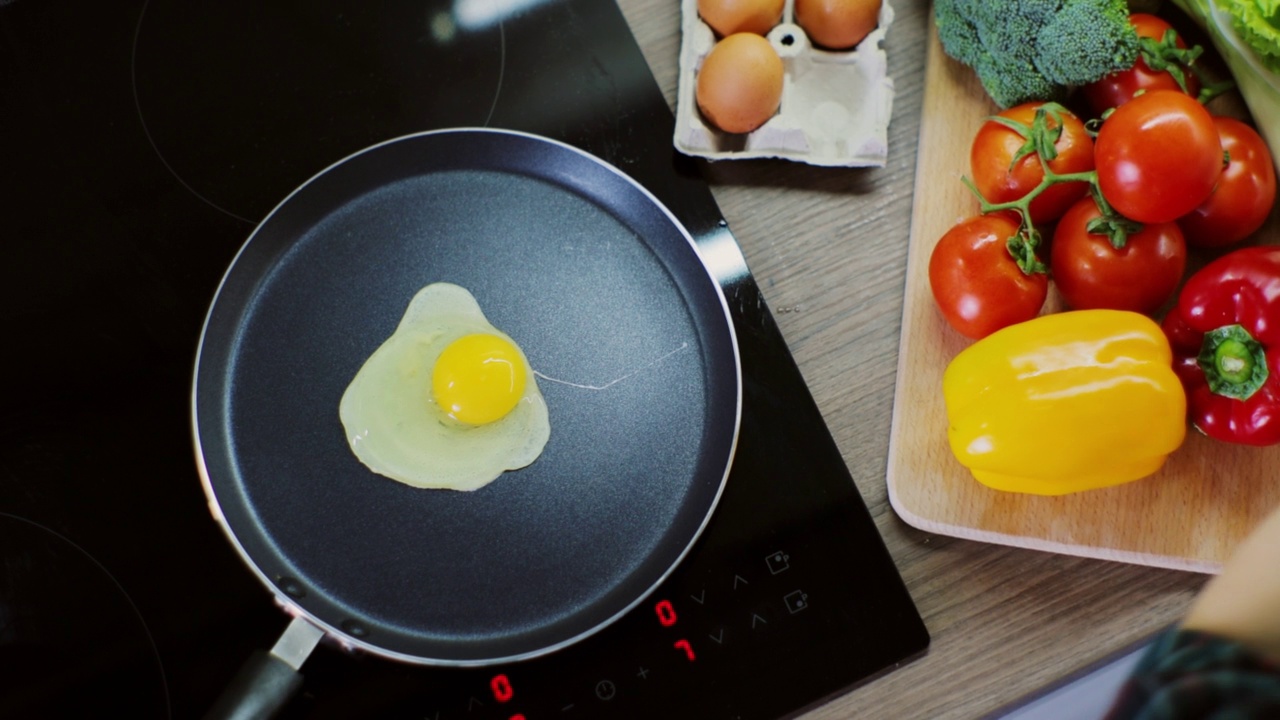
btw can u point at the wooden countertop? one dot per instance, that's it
(828, 248)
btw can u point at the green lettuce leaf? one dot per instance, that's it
(1255, 21)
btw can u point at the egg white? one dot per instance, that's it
(397, 430)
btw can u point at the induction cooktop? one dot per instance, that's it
(142, 140)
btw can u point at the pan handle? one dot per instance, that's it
(268, 680)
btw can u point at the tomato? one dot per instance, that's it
(1242, 200)
(1158, 156)
(1001, 180)
(1091, 273)
(977, 284)
(1119, 87)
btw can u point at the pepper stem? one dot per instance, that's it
(1234, 363)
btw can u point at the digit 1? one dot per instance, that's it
(501, 688)
(666, 613)
(686, 647)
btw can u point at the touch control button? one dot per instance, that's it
(796, 601)
(606, 690)
(778, 562)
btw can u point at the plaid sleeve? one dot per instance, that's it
(1188, 674)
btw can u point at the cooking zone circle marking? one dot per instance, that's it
(72, 614)
(303, 89)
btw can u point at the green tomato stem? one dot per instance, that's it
(1209, 92)
(1022, 246)
(1164, 54)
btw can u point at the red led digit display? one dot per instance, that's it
(501, 687)
(666, 613)
(686, 647)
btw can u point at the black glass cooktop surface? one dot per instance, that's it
(140, 143)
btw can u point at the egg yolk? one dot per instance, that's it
(478, 378)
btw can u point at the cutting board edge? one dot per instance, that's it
(1169, 562)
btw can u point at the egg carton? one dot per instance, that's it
(835, 105)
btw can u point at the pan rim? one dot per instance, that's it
(290, 605)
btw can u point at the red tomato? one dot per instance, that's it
(1119, 87)
(1000, 180)
(1242, 200)
(977, 284)
(1091, 273)
(1158, 156)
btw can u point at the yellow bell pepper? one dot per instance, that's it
(1065, 402)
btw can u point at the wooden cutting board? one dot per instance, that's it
(1188, 516)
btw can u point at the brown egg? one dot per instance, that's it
(740, 83)
(727, 17)
(837, 24)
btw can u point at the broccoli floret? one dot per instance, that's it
(1010, 82)
(1025, 50)
(959, 34)
(1089, 39)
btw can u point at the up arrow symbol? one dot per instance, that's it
(738, 579)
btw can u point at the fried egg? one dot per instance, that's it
(448, 401)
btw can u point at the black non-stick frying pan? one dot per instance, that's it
(605, 292)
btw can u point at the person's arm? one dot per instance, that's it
(1243, 602)
(1225, 655)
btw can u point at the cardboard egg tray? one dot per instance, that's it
(835, 105)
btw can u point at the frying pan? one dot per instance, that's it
(628, 331)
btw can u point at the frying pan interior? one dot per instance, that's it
(607, 296)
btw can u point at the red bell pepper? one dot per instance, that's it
(1225, 335)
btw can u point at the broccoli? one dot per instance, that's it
(1024, 50)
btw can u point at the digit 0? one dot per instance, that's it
(666, 613)
(501, 688)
